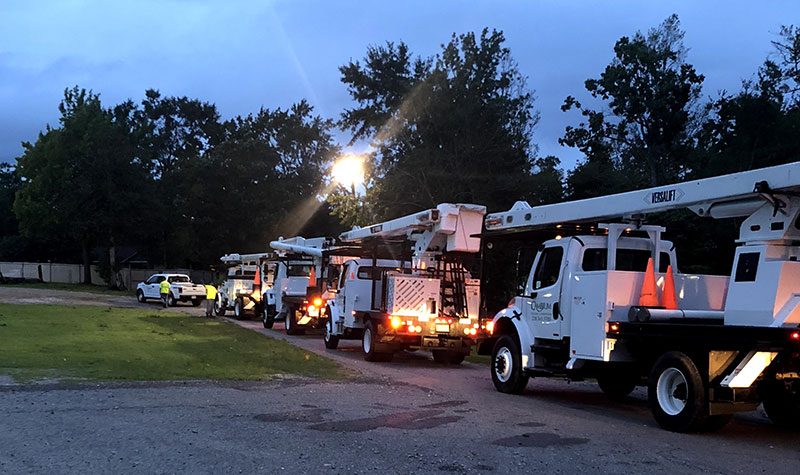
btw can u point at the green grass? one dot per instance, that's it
(93, 289)
(479, 359)
(109, 344)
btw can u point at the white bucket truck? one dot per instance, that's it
(727, 345)
(247, 288)
(410, 286)
(298, 266)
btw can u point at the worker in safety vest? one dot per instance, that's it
(164, 288)
(211, 296)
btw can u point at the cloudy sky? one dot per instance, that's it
(243, 55)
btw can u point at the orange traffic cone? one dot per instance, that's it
(257, 279)
(668, 298)
(649, 296)
(312, 277)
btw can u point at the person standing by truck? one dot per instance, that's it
(164, 289)
(211, 296)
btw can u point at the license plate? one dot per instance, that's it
(442, 328)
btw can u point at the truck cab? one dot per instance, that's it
(611, 304)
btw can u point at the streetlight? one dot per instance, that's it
(349, 171)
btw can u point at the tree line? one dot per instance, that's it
(169, 179)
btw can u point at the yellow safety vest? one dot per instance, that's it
(164, 286)
(211, 292)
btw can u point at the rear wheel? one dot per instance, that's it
(196, 302)
(678, 397)
(171, 302)
(219, 307)
(507, 374)
(140, 296)
(292, 328)
(368, 344)
(448, 357)
(331, 340)
(269, 317)
(238, 309)
(782, 405)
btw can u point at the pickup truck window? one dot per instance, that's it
(548, 268)
(179, 278)
(627, 259)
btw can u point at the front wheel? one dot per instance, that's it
(331, 340)
(507, 374)
(617, 384)
(140, 296)
(677, 395)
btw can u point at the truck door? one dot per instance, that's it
(541, 299)
(153, 288)
(341, 294)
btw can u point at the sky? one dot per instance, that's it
(244, 55)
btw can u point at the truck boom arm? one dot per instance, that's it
(456, 222)
(724, 196)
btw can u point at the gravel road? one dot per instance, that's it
(407, 416)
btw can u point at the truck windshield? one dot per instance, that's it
(370, 273)
(627, 260)
(179, 279)
(298, 270)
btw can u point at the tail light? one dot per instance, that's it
(490, 327)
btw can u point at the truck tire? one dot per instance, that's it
(507, 374)
(238, 309)
(171, 302)
(291, 322)
(219, 307)
(196, 302)
(331, 340)
(368, 338)
(448, 357)
(140, 296)
(617, 384)
(269, 317)
(677, 395)
(781, 404)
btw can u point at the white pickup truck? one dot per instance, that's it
(181, 289)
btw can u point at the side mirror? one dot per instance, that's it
(533, 295)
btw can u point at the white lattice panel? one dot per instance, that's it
(411, 295)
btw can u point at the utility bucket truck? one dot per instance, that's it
(247, 288)
(708, 346)
(297, 301)
(411, 285)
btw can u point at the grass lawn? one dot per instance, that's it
(109, 344)
(479, 359)
(94, 289)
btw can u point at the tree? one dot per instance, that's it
(9, 184)
(645, 135)
(80, 182)
(757, 127)
(175, 136)
(263, 179)
(453, 127)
